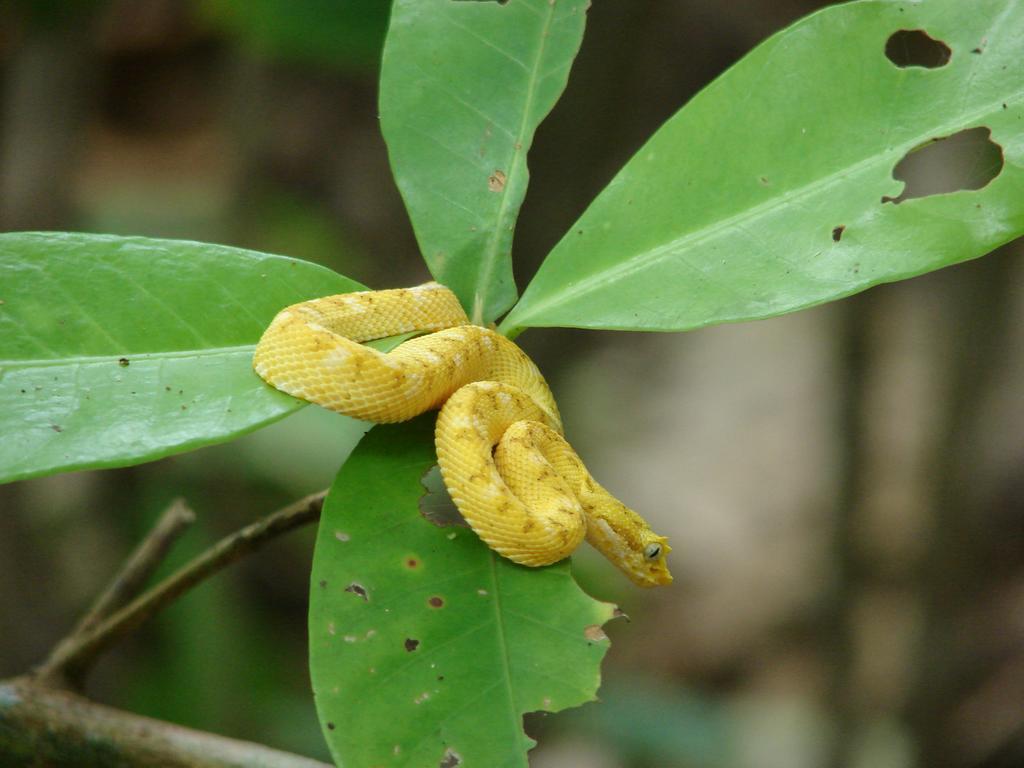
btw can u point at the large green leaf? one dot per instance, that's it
(116, 350)
(463, 87)
(424, 643)
(764, 194)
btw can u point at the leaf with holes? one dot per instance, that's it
(117, 350)
(425, 647)
(463, 86)
(773, 189)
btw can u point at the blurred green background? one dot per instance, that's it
(844, 487)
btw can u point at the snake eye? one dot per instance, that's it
(651, 551)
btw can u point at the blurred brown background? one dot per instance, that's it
(844, 487)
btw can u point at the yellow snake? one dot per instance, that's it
(499, 441)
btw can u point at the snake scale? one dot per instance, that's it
(500, 449)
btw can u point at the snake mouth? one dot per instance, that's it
(654, 578)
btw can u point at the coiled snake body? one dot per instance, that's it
(499, 441)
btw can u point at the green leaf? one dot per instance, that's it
(117, 350)
(464, 85)
(422, 640)
(732, 210)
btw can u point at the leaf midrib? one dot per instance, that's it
(490, 254)
(132, 356)
(506, 662)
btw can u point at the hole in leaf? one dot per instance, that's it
(965, 160)
(916, 48)
(436, 504)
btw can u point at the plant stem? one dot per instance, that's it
(42, 726)
(72, 659)
(142, 563)
(128, 582)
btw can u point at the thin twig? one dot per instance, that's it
(128, 582)
(142, 563)
(76, 657)
(43, 726)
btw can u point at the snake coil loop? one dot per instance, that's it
(499, 441)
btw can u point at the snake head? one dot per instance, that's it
(624, 537)
(647, 567)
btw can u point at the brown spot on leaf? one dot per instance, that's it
(55, 427)
(412, 562)
(837, 232)
(594, 633)
(435, 602)
(123, 362)
(451, 759)
(411, 644)
(496, 181)
(357, 589)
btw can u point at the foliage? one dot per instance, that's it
(771, 191)
(463, 86)
(423, 641)
(117, 350)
